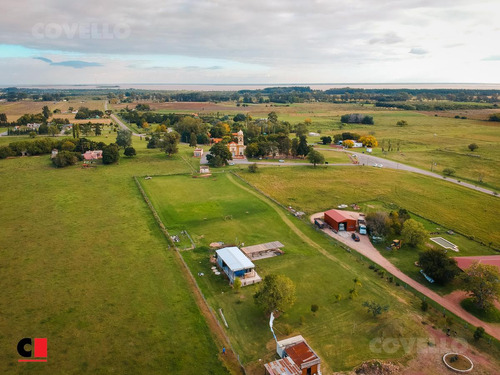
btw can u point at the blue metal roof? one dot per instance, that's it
(234, 258)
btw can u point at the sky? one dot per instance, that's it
(256, 42)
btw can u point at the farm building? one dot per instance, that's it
(465, 262)
(91, 156)
(297, 358)
(235, 264)
(264, 250)
(204, 169)
(198, 152)
(340, 220)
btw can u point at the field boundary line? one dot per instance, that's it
(219, 335)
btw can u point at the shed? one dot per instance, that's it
(340, 220)
(297, 358)
(235, 264)
(264, 250)
(198, 152)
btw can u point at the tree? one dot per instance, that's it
(239, 117)
(3, 119)
(448, 171)
(97, 130)
(129, 151)
(316, 157)
(219, 155)
(53, 130)
(46, 112)
(473, 147)
(170, 142)
(302, 148)
(348, 143)
(369, 141)
(68, 146)
(402, 123)
(482, 282)
(438, 265)
(252, 150)
(124, 138)
(375, 308)
(277, 292)
(378, 223)
(300, 130)
(64, 159)
(252, 168)
(237, 284)
(110, 153)
(414, 233)
(294, 147)
(76, 130)
(192, 140)
(326, 140)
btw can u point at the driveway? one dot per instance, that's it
(365, 248)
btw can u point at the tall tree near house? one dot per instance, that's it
(277, 292)
(170, 142)
(124, 138)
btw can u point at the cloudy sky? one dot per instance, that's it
(258, 41)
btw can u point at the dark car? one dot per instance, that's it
(355, 237)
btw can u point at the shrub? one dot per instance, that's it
(314, 308)
(252, 168)
(64, 159)
(478, 333)
(448, 171)
(424, 306)
(129, 151)
(5, 152)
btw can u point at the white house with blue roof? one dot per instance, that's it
(235, 264)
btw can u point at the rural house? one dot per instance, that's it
(198, 152)
(235, 264)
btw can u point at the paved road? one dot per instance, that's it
(119, 122)
(365, 248)
(365, 159)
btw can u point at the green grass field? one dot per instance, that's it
(219, 209)
(316, 189)
(85, 265)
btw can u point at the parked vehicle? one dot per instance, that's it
(355, 237)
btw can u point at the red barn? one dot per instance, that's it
(340, 220)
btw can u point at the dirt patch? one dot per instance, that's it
(430, 361)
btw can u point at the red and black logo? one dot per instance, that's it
(26, 347)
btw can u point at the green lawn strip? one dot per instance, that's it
(83, 260)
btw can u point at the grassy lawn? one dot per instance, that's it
(85, 265)
(216, 209)
(317, 189)
(491, 315)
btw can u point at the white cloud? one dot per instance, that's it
(291, 40)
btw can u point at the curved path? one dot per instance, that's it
(120, 122)
(365, 248)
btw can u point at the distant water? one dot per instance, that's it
(237, 87)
